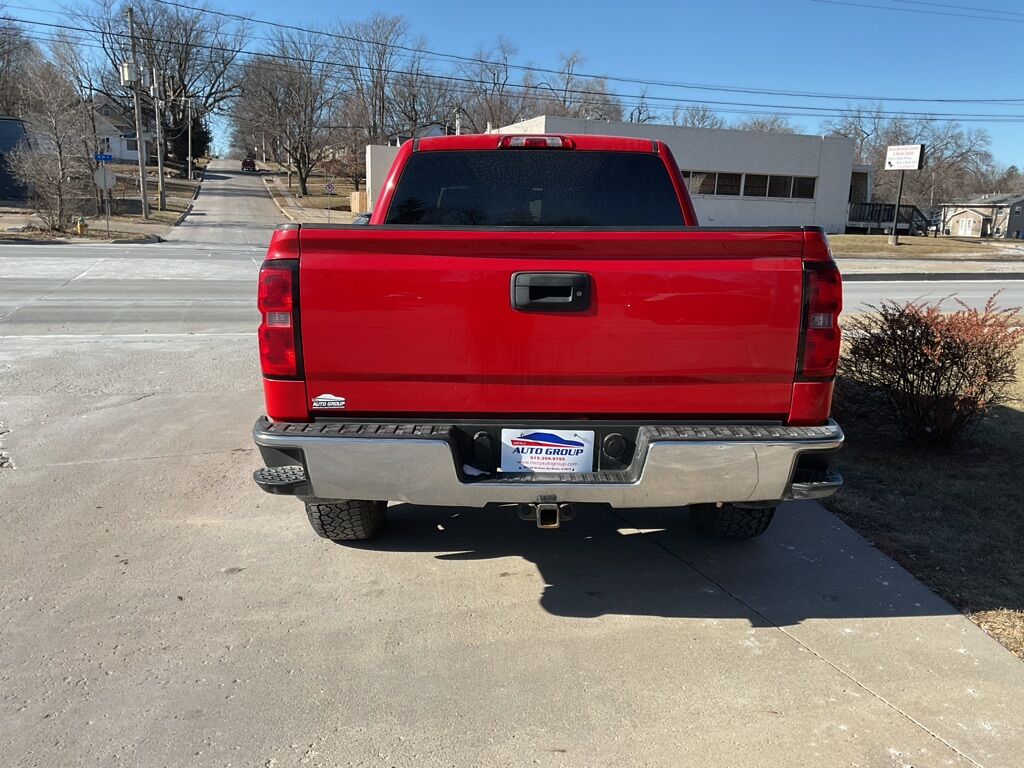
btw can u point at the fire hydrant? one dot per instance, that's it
(81, 227)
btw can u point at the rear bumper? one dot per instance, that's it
(672, 466)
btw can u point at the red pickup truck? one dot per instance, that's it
(539, 321)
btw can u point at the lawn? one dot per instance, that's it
(868, 246)
(956, 520)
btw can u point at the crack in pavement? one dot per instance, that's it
(66, 283)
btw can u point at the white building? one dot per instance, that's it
(736, 178)
(745, 178)
(116, 134)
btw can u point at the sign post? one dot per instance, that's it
(105, 180)
(329, 189)
(902, 158)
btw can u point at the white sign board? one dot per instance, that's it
(904, 157)
(547, 450)
(104, 178)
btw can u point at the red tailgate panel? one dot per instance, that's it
(684, 323)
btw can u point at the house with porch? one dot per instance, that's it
(991, 215)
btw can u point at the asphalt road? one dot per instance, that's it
(157, 609)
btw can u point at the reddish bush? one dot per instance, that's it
(938, 372)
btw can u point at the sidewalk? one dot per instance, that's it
(925, 269)
(293, 209)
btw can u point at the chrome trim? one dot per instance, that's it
(674, 473)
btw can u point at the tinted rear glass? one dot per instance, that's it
(535, 188)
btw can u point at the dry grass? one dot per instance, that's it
(318, 198)
(956, 520)
(868, 246)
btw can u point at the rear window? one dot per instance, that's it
(535, 188)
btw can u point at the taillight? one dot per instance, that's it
(279, 354)
(823, 301)
(536, 142)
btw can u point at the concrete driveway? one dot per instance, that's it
(157, 609)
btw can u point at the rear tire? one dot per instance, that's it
(731, 522)
(346, 519)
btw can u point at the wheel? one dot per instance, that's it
(731, 522)
(345, 519)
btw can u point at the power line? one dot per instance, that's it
(788, 110)
(920, 11)
(960, 7)
(612, 78)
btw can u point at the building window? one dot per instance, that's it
(729, 183)
(755, 185)
(749, 184)
(132, 145)
(780, 186)
(803, 187)
(1016, 211)
(702, 182)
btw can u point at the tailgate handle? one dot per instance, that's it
(551, 291)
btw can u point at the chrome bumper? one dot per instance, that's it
(672, 466)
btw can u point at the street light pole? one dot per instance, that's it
(139, 142)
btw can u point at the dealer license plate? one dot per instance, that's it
(547, 450)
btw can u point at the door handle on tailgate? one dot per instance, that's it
(551, 291)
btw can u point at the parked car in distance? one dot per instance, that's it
(539, 321)
(248, 164)
(362, 218)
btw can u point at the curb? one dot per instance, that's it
(266, 183)
(914, 277)
(195, 196)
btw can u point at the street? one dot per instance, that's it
(158, 609)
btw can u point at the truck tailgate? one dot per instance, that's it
(682, 322)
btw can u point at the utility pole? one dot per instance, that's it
(140, 143)
(155, 92)
(190, 138)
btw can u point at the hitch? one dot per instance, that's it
(547, 514)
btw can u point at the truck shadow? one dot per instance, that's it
(651, 563)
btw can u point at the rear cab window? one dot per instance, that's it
(535, 188)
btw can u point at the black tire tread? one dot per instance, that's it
(346, 519)
(730, 522)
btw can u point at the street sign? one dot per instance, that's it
(329, 189)
(104, 178)
(103, 158)
(904, 157)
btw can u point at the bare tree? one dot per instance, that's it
(766, 124)
(418, 97)
(369, 59)
(290, 96)
(55, 165)
(194, 55)
(957, 160)
(641, 113)
(18, 54)
(862, 124)
(574, 96)
(493, 96)
(697, 116)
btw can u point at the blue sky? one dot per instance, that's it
(940, 49)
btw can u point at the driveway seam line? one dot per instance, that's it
(799, 642)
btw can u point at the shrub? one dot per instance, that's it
(938, 372)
